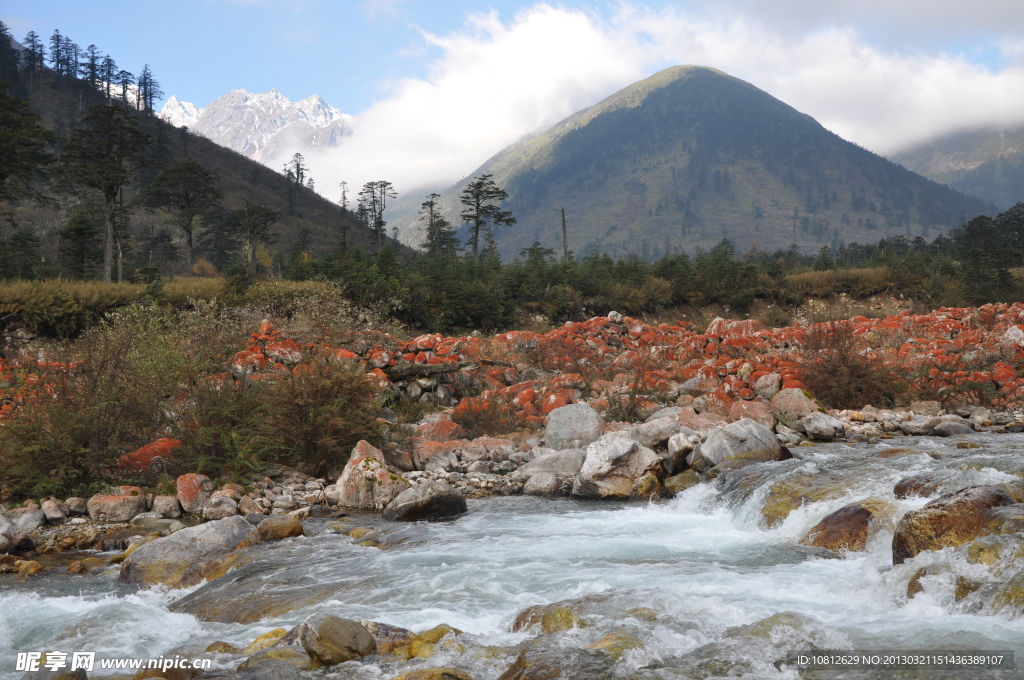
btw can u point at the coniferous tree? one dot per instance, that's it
(125, 79)
(373, 201)
(108, 73)
(186, 191)
(9, 57)
(480, 212)
(24, 155)
(251, 225)
(439, 236)
(91, 65)
(81, 244)
(57, 52)
(35, 56)
(104, 155)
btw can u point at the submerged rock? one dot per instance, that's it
(191, 555)
(566, 663)
(430, 500)
(948, 521)
(916, 485)
(435, 674)
(848, 528)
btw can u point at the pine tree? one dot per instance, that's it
(251, 225)
(125, 79)
(35, 56)
(90, 67)
(480, 213)
(57, 52)
(439, 238)
(9, 57)
(373, 201)
(104, 155)
(108, 73)
(24, 143)
(186, 191)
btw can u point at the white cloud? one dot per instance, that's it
(495, 81)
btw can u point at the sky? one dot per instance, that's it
(439, 87)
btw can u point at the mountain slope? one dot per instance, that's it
(263, 126)
(987, 163)
(691, 155)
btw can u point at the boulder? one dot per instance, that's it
(667, 412)
(758, 411)
(768, 386)
(219, 507)
(191, 555)
(279, 526)
(193, 492)
(53, 512)
(848, 528)
(28, 519)
(567, 663)
(77, 506)
(435, 674)
(612, 466)
(916, 485)
(681, 482)
(823, 426)
(948, 521)
(564, 464)
(742, 439)
(330, 639)
(542, 484)
(367, 482)
(656, 432)
(919, 426)
(430, 500)
(926, 408)
(572, 426)
(167, 506)
(951, 429)
(791, 406)
(120, 507)
(9, 535)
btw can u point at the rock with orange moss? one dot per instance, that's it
(119, 507)
(142, 457)
(758, 411)
(194, 490)
(367, 482)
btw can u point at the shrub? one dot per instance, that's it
(841, 376)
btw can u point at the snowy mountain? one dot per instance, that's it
(264, 126)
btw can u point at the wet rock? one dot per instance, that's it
(742, 439)
(167, 506)
(791, 406)
(787, 495)
(220, 507)
(332, 640)
(542, 484)
(848, 528)
(278, 656)
(431, 500)
(916, 485)
(28, 568)
(222, 648)
(278, 527)
(615, 645)
(646, 487)
(951, 429)
(388, 638)
(248, 595)
(564, 464)
(435, 674)
(768, 385)
(191, 555)
(119, 507)
(566, 663)
(194, 490)
(1005, 519)
(946, 522)
(822, 426)
(367, 482)
(572, 426)
(681, 482)
(1010, 595)
(612, 466)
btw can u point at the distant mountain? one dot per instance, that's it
(985, 162)
(691, 155)
(265, 126)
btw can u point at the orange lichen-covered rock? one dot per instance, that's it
(142, 457)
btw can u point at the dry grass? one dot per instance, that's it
(855, 282)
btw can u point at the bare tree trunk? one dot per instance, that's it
(108, 243)
(188, 251)
(120, 262)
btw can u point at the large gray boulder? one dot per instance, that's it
(572, 427)
(220, 507)
(30, 520)
(613, 464)
(9, 535)
(330, 639)
(951, 429)
(743, 439)
(768, 385)
(55, 514)
(430, 500)
(823, 426)
(542, 484)
(367, 482)
(191, 555)
(920, 426)
(562, 464)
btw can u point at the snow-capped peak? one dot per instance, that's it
(263, 125)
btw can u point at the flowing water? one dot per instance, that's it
(682, 579)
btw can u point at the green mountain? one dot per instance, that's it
(986, 162)
(691, 155)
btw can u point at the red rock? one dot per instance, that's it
(194, 490)
(525, 397)
(265, 327)
(717, 402)
(344, 354)
(793, 384)
(119, 507)
(140, 458)
(285, 351)
(551, 401)
(444, 430)
(755, 410)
